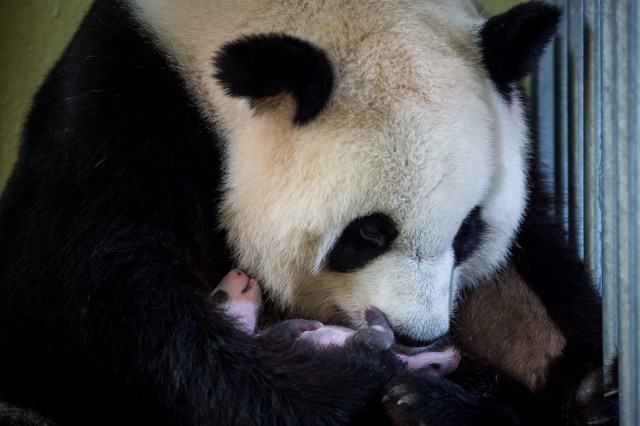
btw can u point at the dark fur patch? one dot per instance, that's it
(15, 416)
(513, 42)
(469, 236)
(219, 297)
(262, 66)
(362, 240)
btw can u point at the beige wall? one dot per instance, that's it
(32, 36)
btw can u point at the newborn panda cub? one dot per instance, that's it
(241, 297)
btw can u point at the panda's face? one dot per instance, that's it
(405, 186)
(368, 206)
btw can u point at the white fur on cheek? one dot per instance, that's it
(504, 206)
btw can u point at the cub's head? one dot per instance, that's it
(375, 151)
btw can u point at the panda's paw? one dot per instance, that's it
(595, 403)
(424, 401)
(401, 401)
(406, 403)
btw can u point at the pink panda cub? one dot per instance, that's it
(241, 298)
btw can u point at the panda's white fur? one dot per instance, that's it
(414, 129)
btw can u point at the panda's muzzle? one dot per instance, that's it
(410, 346)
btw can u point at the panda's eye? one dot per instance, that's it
(373, 235)
(362, 240)
(469, 236)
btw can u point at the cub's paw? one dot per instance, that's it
(377, 335)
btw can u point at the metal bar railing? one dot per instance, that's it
(586, 119)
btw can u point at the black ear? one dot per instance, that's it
(513, 42)
(262, 66)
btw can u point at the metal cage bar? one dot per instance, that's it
(586, 120)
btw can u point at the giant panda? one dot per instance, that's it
(345, 153)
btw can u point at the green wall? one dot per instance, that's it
(32, 36)
(493, 7)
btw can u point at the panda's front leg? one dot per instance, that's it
(431, 400)
(475, 394)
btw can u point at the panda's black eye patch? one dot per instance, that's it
(373, 234)
(469, 236)
(362, 240)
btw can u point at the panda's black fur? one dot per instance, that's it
(110, 243)
(262, 66)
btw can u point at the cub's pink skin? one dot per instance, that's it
(432, 363)
(241, 297)
(328, 335)
(244, 299)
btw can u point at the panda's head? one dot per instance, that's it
(375, 150)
